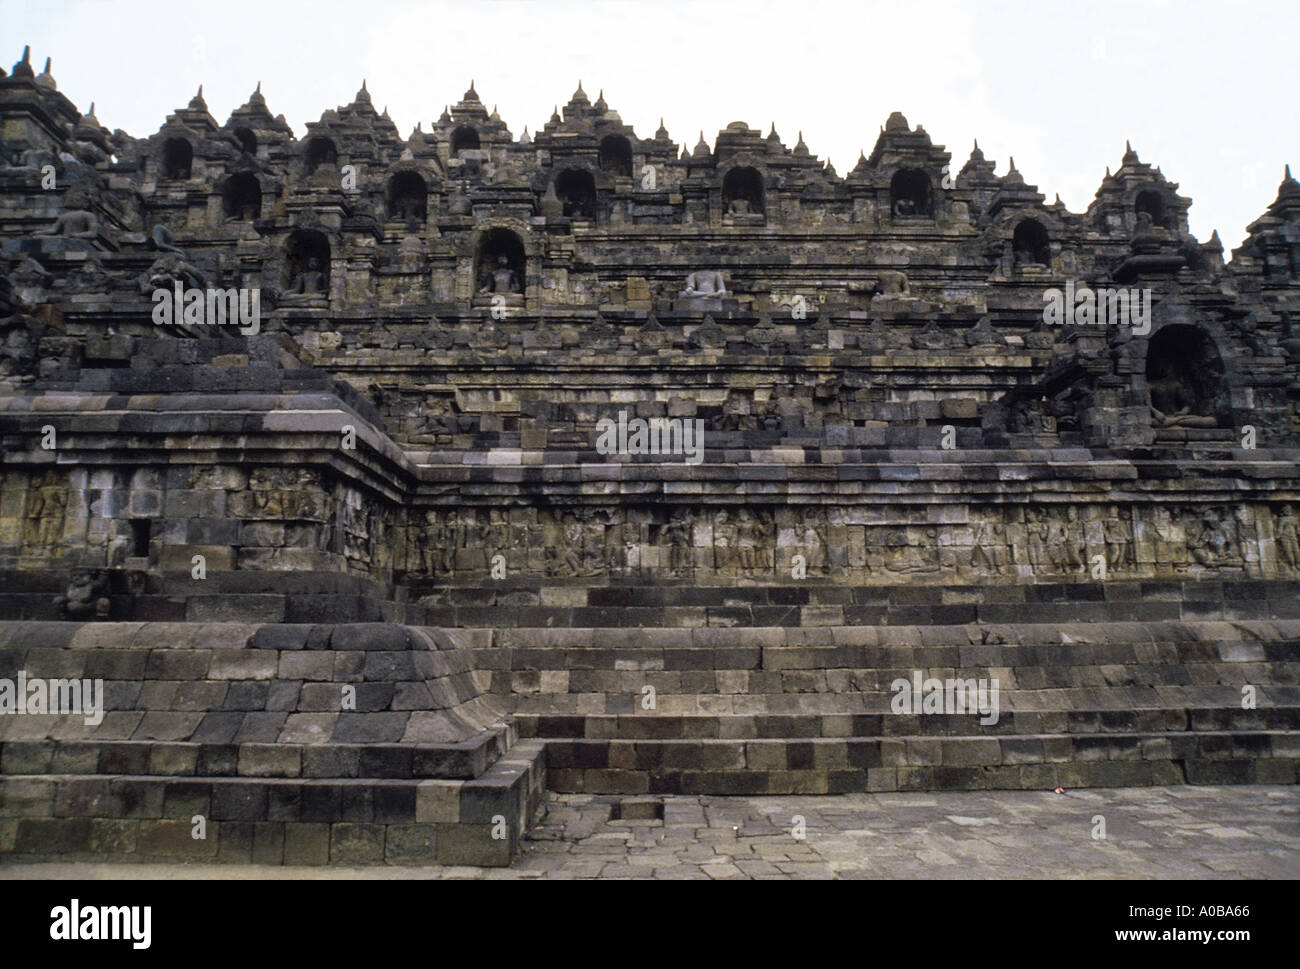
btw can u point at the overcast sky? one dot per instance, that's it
(1208, 91)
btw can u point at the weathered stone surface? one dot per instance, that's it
(546, 471)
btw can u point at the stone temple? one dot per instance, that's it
(481, 465)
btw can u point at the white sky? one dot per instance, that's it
(1208, 91)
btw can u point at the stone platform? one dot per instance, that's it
(251, 728)
(456, 733)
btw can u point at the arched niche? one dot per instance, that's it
(408, 198)
(742, 192)
(911, 194)
(177, 159)
(241, 197)
(616, 155)
(500, 264)
(1152, 203)
(247, 140)
(1030, 244)
(576, 189)
(306, 263)
(320, 151)
(463, 138)
(1185, 378)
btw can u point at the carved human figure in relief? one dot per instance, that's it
(86, 596)
(18, 346)
(705, 282)
(503, 279)
(679, 543)
(1210, 547)
(892, 284)
(1288, 539)
(167, 270)
(724, 542)
(738, 207)
(988, 547)
(1163, 538)
(1118, 533)
(311, 281)
(1024, 255)
(1245, 537)
(1173, 403)
(750, 540)
(77, 220)
(161, 238)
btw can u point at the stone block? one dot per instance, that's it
(356, 844)
(306, 844)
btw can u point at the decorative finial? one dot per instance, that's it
(977, 144)
(259, 88)
(1288, 172)
(1012, 161)
(91, 112)
(200, 94)
(47, 66)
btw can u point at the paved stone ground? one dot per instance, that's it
(1151, 832)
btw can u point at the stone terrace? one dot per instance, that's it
(363, 579)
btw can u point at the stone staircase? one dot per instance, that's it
(808, 710)
(373, 743)
(250, 728)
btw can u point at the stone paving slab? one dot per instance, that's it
(1150, 833)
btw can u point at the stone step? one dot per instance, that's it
(1280, 634)
(760, 603)
(236, 683)
(835, 766)
(851, 704)
(465, 760)
(264, 820)
(239, 595)
(1086, 723)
